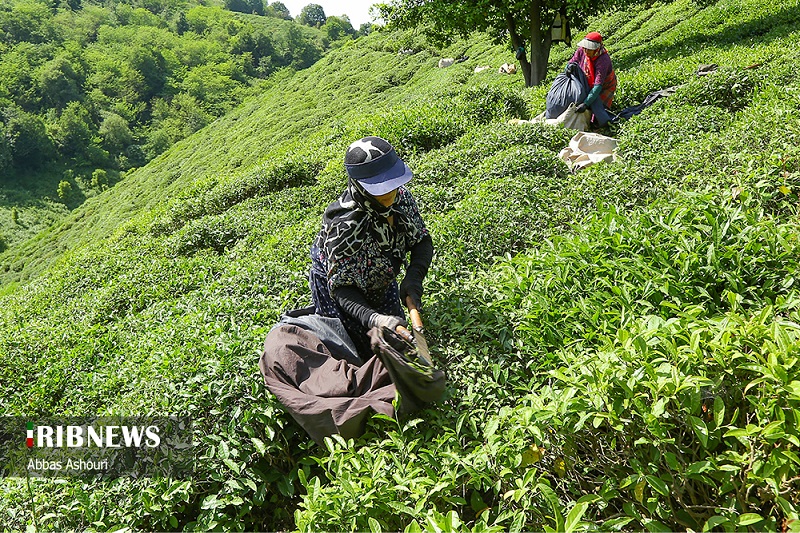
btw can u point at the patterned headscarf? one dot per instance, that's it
(357, 245)
(355, 217)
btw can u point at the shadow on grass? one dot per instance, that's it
(27, 188)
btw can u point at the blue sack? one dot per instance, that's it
(566, 89)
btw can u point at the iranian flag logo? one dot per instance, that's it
(29, 440)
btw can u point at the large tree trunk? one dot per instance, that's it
(540, 55)
(517, 43)
(534, 69)
(540, 45)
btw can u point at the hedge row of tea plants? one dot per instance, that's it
(630, 393)
(620, 343)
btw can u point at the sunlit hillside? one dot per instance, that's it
(621, 343)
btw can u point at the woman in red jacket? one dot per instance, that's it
(593, 59)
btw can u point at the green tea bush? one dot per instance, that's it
(290, 168)
(729, 89)
(617, 24)
(485, 103)
(436, 122)
(669, 428)
(401, 485)
(420, 128)
(507, 198)
(395, 41)
(207, 233)
(672, 125)
(742, 281)
(657, 424)
(635, 84)
(718, 257)
(445, 176)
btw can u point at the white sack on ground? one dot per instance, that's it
(587, 149)
(569, 119)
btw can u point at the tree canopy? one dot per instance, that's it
(338, 28)
(525, 24)
(279, 10)
(245, 6)
(312, 15)
(113, 85)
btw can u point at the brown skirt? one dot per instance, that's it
(333, 393)
(325, 395)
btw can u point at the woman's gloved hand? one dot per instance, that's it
(571, 68)
(386, 321)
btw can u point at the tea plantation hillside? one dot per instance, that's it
(622, 344)
(367, 78)
(90, 90)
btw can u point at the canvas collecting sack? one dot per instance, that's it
(417, 381)
(570, 118)
(573, 119)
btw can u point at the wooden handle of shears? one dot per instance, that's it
(416, 318)
(403, 332)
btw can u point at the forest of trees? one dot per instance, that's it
(109, 85)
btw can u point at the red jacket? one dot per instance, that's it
(602, 73)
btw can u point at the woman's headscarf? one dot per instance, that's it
(355, 217)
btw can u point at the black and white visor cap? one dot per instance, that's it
(373, 162)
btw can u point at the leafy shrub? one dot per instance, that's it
(420, 128)
(287, 170)
(717, 257)
(395, 41)
(99, 178)
(726, 88)
(680, 303)
(487, 103)
(27, 137)
(428, 125)
(507, 200)
(64, 189)
(664, 422)
(635, 84)
(206, 233)
(443, 176)
(682, 140)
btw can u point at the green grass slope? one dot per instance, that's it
(365, 78)
(621, 344)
